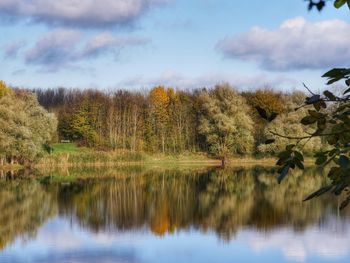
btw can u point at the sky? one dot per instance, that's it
(138, 44)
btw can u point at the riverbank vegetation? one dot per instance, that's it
(69, 154)
(169, 121)
(129, 125)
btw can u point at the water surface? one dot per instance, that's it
(177, 215)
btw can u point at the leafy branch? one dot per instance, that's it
(333, 124)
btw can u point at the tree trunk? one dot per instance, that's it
(135, 130)
(223, 161)
(163, 144)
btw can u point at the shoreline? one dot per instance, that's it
(117, 159)
(233, 162)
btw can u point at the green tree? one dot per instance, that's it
(82, 125)
(288, 122)
(24, 127)
(225, 123)
(266, 100)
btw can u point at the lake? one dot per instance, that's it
(151, 215)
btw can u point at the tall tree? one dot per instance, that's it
(225, 123)
(159, 102)
(24, 127)
(268, 101)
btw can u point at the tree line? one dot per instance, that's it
(220, 121)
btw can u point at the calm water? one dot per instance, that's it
(215, 215)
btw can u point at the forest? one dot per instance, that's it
(220, 121)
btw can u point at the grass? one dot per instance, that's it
(59, 148)
(69, 154)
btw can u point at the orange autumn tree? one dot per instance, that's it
(159, 102)
(4, 89)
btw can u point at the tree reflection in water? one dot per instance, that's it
(24, 206)
(219, 200)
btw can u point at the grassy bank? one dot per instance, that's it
(71, 155)
(68, 155)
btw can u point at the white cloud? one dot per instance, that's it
(61, 47)
(54, 49)
(11, 50)
(86, 13)
(296, 44)
(299, 246)
(107, 42)
(175, 79)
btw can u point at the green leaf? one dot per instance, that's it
(320, 104)
(308, 120)
(299, 164)
(298, 155)
(321, 159)
(290, 147)
(333, 152)
(332, 139)
(272, 116)
(331, 81)
(283, 173)
(262, 112)
(339, 3)
(321, 124)
(334, 73)
(344, 203)
(319, 192)
(339, 189)
(344, 161)
(329, 95)
(316, 114)
(323, 104)
(317, 106)
(269, 141)
(284, 154)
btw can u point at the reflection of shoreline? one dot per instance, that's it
(223, 201)
(24, 207)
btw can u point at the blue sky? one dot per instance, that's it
(137, 44)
